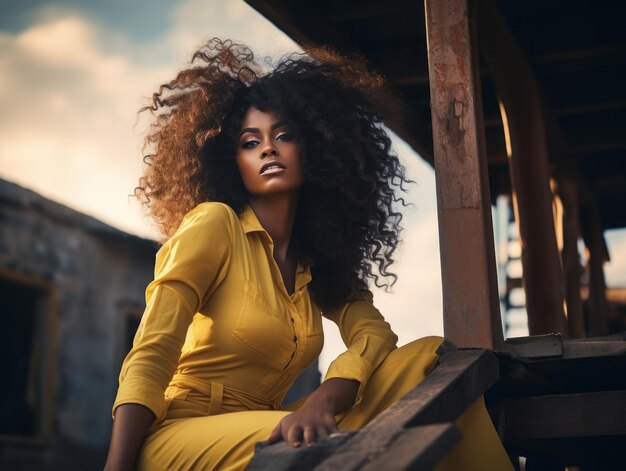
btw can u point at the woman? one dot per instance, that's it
(276, 191)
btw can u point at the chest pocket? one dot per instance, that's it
(261, 329)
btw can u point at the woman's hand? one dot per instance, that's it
(316, 417)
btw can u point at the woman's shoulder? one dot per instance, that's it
(209, 217)
(210, 212)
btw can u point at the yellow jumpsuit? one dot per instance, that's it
(221, 342)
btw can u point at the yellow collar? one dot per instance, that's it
(250, 223)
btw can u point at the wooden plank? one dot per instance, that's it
(601, 348)
(566, 415)
(282, 457)
(535, 346)
(607, 338)
(522, 115)
(470, 296)
(417, 448)
(551, 345)
(461, 377)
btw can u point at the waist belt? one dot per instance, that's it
(218, 398)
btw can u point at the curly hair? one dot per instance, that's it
(346, 228)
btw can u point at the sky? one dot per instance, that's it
(73, 74)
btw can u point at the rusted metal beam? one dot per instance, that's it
(522, 115)
(470, 294)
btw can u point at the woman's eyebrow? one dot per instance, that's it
(256, 130)
(279, 124)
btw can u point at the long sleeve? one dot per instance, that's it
(188, 268)
(367, 336)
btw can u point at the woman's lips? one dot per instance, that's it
(272, 167)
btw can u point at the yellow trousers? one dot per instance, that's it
(226, 441)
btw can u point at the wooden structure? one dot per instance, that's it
(518, 98)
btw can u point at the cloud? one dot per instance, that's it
(68, 132)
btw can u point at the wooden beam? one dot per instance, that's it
(470, 294)
(495, 122)
(593, 348)
(538, 346)
(308, 24)
(522, 115)
(616, 144)
(572, 269)
(546, 64)
(565, 415)
(552, 346)
(591, 108)
(461, 378)
(597, 255)
(342, 11)
(417, 448)
(606, 54)
(282, 457)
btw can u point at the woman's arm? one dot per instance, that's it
(188, 268)
(369, 340)
(367, 336)
(316, 417)
(129, 428)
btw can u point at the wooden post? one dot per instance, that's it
(572, 269)
(598, 254)
(470, 293)
(522, 116)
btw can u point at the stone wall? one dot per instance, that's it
(95, 276)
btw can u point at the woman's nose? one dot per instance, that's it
(269, 151)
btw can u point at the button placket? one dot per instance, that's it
(293, 315)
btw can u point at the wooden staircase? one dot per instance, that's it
(557, 403)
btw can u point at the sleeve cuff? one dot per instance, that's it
(351, 366)
(144, 392)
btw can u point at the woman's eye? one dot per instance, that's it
(249, 144)
(285, 136)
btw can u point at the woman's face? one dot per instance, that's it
(268, 154)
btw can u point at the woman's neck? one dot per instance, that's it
(277, 214)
